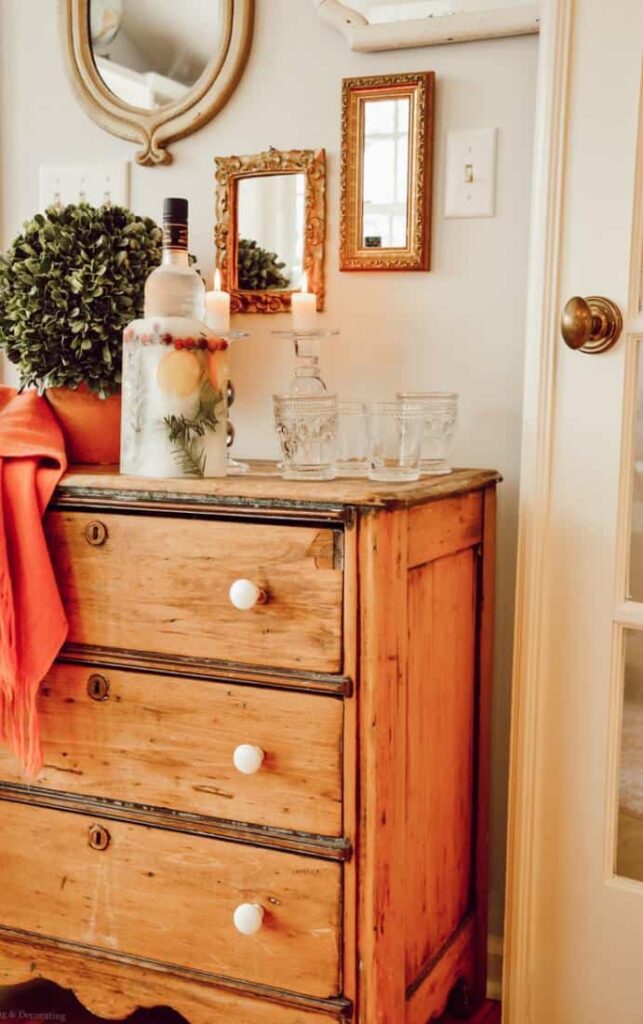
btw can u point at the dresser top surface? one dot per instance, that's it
(263, 486)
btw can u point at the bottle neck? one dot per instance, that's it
(175, 243)
(175, 258)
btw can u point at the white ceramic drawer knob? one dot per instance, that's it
(244, 595)
(248, 918)
(248, 759)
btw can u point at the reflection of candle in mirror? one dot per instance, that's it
(304, 308)
(217, 307)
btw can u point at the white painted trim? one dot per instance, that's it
(451, 28)
(543, 339)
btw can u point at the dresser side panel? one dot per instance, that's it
(383, 547)
(440, 754)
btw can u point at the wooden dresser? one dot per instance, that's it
(275, 815)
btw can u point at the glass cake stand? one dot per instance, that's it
(307, 379)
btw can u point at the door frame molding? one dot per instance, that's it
(542, 341)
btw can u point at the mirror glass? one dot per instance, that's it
(384, 12)
(385, 179)
(270, 232)
(629, 851)
(150, 53)
(636, 543)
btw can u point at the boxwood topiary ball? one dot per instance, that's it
(68, 285)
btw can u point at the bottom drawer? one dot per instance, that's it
(170, 897)
(115, 990)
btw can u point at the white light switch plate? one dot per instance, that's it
(74, 183)
(471, 173)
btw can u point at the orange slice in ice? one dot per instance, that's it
(179, 373)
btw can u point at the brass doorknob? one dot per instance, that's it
(591, 325)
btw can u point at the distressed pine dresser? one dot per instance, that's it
(275, 815)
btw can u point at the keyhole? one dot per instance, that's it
(99, 837)
(95, 533)
(98, 687)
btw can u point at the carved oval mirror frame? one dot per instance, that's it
(155, 129)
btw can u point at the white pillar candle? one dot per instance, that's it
(217, 307)
(304, 308)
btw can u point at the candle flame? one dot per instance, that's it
(217, 280)
(304, 283)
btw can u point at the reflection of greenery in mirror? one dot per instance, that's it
(150, 53)
(270, 225)
(385, 177)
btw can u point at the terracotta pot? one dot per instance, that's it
(91, 425)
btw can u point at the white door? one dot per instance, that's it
(574, 929)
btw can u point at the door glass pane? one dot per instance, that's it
(636, 550)
(629, 855)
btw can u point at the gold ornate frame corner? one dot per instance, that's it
(153, 130)
(229, 170)
(419, 88)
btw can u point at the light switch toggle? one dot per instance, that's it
(471, 173)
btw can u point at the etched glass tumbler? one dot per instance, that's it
(306, 426)
(352, 440)
(441, 419)
(395, 439)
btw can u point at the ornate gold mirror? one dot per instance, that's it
(271, 226)
(153, 71)
(387, 130)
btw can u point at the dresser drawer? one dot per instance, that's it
(170, 897)
(169, 742)
(160, 584)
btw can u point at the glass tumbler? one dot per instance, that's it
(441, 418)
(395, 439)
(352, 440)
(307, 429)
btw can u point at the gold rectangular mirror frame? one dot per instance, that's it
(418, 89)
(229, 172)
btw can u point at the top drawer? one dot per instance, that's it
(160, 585)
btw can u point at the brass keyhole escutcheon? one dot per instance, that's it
(99, 837)
(98, 687)
(591, 325)
(95, 533)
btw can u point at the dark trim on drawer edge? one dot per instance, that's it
(305, 843)
(334, 1007)
(204, 668)
(164, 503)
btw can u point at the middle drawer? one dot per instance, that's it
(169, 742)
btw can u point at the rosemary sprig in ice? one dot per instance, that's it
(186, 433)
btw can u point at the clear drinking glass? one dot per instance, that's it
(395, 439)
(441, 418)
(307, 429)
(352, 440)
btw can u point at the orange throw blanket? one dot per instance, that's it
(33, 625)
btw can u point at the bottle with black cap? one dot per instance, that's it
(175, 288)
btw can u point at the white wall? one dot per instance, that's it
(459, 327)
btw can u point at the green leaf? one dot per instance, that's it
(69, 284)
